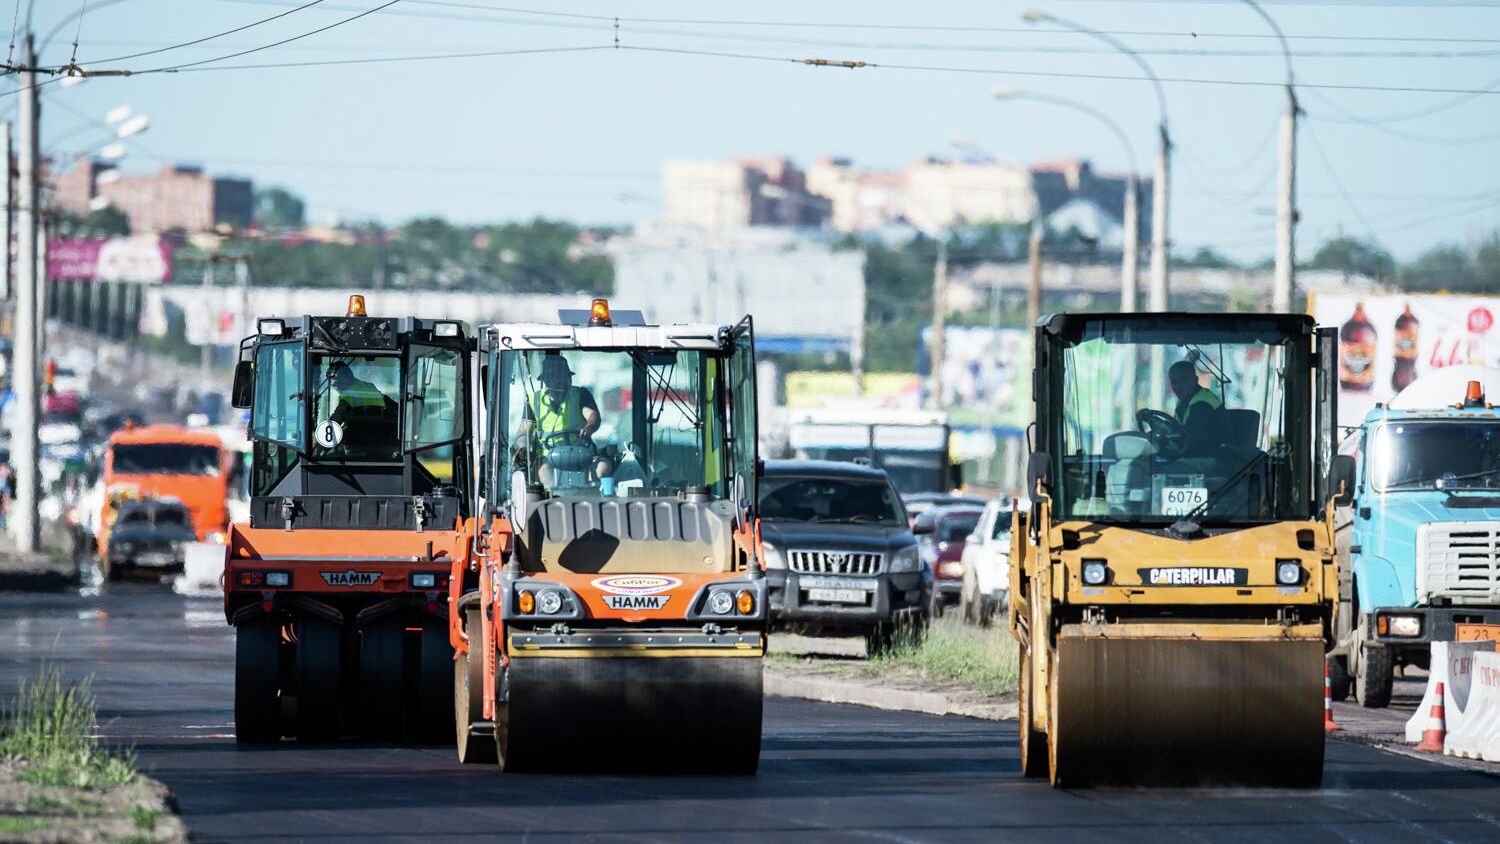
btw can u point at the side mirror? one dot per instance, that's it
(1341, 480)
(520, 501)
(955, 475)
(1038, 470)
(924, 524)
(242, 395)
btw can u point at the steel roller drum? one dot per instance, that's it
(1182, 711)
(632, 714)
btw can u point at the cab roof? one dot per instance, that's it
(164, 434)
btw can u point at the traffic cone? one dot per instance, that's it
(1328, 725)
(1437, 726)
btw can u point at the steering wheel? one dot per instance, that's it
(557, 438)
(1166, 434)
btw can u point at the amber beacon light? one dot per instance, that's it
(599, 312)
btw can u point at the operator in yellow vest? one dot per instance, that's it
(559, 407)
(367, 415)
(1197, 406)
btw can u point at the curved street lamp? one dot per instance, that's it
(1131, 230)
(1286, 189)
(1157, 300)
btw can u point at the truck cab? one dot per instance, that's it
(1423, 528)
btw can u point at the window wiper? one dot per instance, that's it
(1192, 516)
(1472, 475)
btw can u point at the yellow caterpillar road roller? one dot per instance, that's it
(1173, 583)
(617, 619)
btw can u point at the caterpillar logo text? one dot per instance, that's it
(350, 578)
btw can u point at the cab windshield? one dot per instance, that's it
(612, 423)
(1155, 421)
(166, 459)
(834, 500)
(1448, 455)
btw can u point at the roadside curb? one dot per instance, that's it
(779, 683)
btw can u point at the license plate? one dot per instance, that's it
(1476, 632)
(809, 581)
(838, 596)
(1181, 500)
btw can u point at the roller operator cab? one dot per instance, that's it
(360, 508)
(1173, 583)
(619, 619)
(1422, 536)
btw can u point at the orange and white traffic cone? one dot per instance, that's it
(1328, 724)
(1437, 726)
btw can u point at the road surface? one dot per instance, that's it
(162, 667)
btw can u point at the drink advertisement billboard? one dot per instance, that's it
(1387, 341)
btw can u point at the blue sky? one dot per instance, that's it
(582, 135)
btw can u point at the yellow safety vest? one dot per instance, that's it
(362, 394)
(567, 415)
(1203, 396)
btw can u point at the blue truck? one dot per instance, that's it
(1421, 542)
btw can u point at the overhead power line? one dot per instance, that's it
(299, 37)
(206, 38)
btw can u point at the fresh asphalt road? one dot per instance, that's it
(162, 667)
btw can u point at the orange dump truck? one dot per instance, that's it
(617, 618)
(360, 504)
(164, 486)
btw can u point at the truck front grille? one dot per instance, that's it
(1459, 561)
(835, 562)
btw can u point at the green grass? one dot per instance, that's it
(12, 825)
(953, 652)
(41, 804)
(50, 726)
(144, 817)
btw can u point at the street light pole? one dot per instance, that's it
(1285, 278)
(27, 365)
(1131, 234)
(939, 318)
(1158, 298)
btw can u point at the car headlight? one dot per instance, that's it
(1288, 572)
(423, 581)
(1405, 625)
(1095, 572)
(548, 601)
(774, 559)
(720, 603)
(951, 569)
(906, 560)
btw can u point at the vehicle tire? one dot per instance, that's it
(969, 601)
(257, 702)
(1372, 688)
(435, 712)
(317, 679)
(468, 697)
(1033, 742)
(986, 611)
(1339, 682)
(382, 686)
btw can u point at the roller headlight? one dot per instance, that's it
(423, 581)
(773, 560)
(548, 601)
(905, 560)
(720, 603)
(1288, 572)
(1095, 572)
(278, 578)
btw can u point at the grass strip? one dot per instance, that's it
(50, 728)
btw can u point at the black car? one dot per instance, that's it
(148, 534)
(840, 557)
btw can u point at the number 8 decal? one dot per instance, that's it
(329, 433)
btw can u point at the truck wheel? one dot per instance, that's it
(435, 710)
(1376, 676)
(317, 679)
(468, 697)
(257, 707)
(1339, 682)
(382, 717)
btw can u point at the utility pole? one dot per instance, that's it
(27, 366)
(1159, 241)
(939, 318)
(1130, 259)
(206, 352)
(1034, 290)
(1286, 208)
(9, 292)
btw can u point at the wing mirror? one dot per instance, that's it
(1038, 472)
(242, 394)
(1341, 480)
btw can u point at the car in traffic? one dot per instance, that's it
(917, 503)
(840, 557)
(986, 564)
(941, 534)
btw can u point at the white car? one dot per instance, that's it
(986, 561)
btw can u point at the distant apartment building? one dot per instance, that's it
(940, 194)
(859, 199)
(176, 198)
(739, 193)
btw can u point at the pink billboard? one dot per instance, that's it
(144, 260)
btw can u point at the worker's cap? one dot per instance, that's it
(554, 367)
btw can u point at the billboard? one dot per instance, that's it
(1388, 341)
(985, 370)
(146, 260)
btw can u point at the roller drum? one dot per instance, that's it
(1173, 711)
(632, 714)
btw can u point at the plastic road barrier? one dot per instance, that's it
(1478, 736)
(1451, 668)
